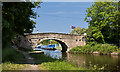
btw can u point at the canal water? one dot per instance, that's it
(85, 60)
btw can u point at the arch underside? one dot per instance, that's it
(64, 46)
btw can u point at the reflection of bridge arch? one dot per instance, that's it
(62, 43)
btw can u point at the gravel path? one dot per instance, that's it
(29, 59)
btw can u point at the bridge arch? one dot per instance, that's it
(67, 41)
(62, 43)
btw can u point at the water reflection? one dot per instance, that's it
(79, 60)
(84, 60)
(53, 53)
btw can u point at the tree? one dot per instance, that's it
(103, 19)
(78, 30)
(48, 41)
(53, 42)
(16, 19)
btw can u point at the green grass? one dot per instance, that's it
(40, 58)
(11, 55)
(12, 66)
(48, 63)
(90, 48)
(12, 59)
(0, 67)
(61, 65)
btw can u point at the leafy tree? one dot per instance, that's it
(46, 42)
(16, 19)
(53, 42)
(78, 30)
(103, 19)
(89, 37)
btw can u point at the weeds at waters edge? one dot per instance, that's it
(95, 67)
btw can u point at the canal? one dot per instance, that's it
(85, 60)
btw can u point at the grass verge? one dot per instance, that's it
(13, 56)
(12, 66)
(49, 63)
(61, 65)
(12, 59)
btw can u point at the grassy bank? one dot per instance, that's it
(49, 63)
(13, 56)
(13, 66)
(40, 58)
(91, 48)
(12, 60)
(61, 65)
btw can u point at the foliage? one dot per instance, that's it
(58, 48)
(61, 65)
(12, 66)
(48, 63)
(103, 19)
(90, 37)
(78, 30)
(40, 58)
(95, 67)
(45, 42)
(90, 48)
(48, 41)
(53, 42)
(17, 18)
(11, 55)
(53, 64)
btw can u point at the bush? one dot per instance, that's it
(92, 43)
(92, 47)
(106, 48)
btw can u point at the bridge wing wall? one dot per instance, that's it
(22, 41)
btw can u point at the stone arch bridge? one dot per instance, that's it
(67, 41)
